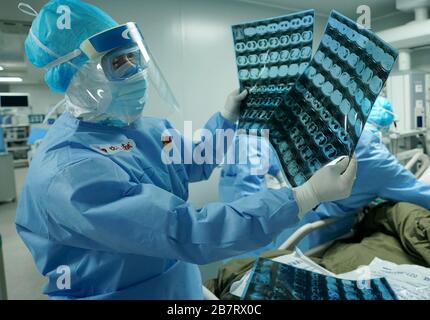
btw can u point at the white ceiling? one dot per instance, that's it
(380, 8)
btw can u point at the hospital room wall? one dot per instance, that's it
(41, 98)
(420, 56)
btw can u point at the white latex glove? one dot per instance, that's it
(333, 182)
(272, 183)
(232, 105)
(281, 179)
(275, 183)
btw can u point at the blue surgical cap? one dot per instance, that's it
(382, 113)
(85, 21)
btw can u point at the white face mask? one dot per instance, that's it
(92, 97)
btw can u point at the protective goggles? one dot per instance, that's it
(121, 64)
(122, 51)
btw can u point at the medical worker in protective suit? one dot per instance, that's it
(379, 175)
(100, 206)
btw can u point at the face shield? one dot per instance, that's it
(114, 85)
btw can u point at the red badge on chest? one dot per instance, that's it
(126, 146)
(165, 140)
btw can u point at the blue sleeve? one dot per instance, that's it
(93, 204)
(394, 182)
(218, 144)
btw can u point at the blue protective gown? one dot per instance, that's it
(379, 174)
(236, 180)
(119, 218)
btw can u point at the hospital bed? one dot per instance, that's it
(419, 164)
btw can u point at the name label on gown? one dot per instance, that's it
(166, 140)
(109, 149)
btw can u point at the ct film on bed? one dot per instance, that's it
(270, 56)
(272, 280)
(323, 115)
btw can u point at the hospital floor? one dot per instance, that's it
(22, 278)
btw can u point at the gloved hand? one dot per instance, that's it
(333, 182)
(271, 182)
(275, 183)
(281, 180)
(232, 105)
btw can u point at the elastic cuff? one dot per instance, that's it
(305, 199)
